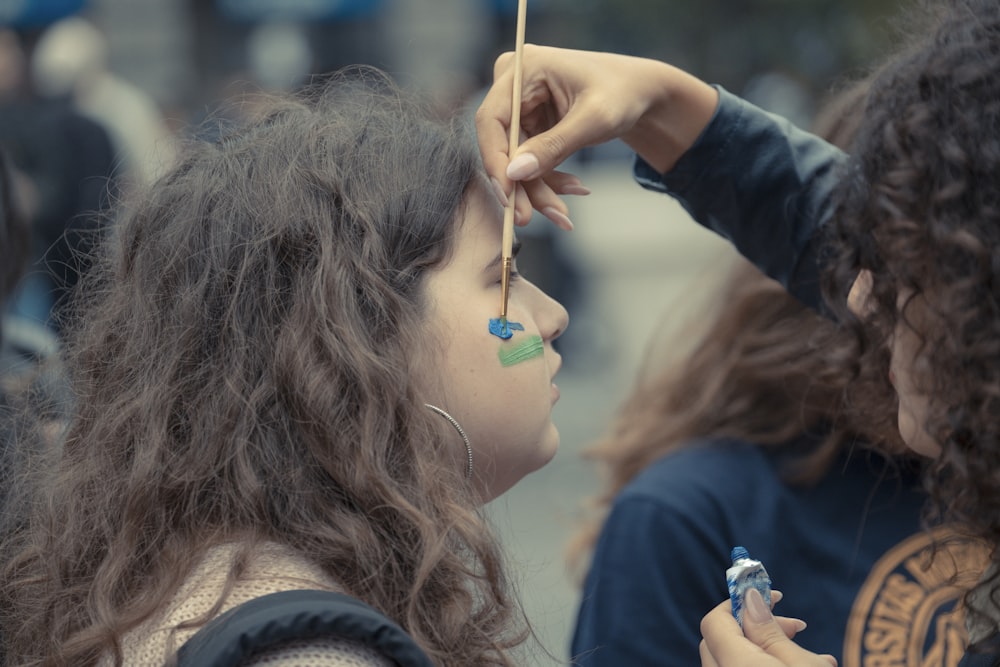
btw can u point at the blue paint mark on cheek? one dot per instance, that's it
(504, 328)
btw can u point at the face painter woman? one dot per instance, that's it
(286, 381)
(911, 220)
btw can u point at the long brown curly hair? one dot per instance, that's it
(920, 209)
(764, 372)
(242, 356)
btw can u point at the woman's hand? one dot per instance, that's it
(764, 641)
(572, 99)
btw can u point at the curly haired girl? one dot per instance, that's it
(920, 218)
(262, 359)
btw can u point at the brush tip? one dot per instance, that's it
(504, 328)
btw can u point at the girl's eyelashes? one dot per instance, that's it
(514, 275)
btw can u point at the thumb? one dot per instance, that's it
(764, 630)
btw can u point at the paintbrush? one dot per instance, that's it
(507, 242)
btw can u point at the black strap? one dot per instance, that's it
(269, 620)
(984, 653)
(979, 660)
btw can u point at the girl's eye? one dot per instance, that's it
(514, 275)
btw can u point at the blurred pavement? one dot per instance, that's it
(641, 258)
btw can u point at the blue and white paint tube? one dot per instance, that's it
(746, 573)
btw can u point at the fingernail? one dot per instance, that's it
(776, 597)
(523, 166)
(557, 216)
(756, 609)
(498, 191)
(575, 190)
(800, 625)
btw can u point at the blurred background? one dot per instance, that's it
(635, 272)
(186, 52)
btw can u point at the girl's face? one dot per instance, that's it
(501, 392)
(906, 366)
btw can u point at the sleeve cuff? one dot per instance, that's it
(712, 142)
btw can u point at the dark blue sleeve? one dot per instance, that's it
(643, 601)
(761, 183)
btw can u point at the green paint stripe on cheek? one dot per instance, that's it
(514, 353)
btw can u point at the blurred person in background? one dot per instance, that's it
(63, 165)
(70, 61)
(32, 385)
(279, 58)
(279, 55)
(15, 249)
(433, 45)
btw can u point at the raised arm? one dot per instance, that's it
(746, 174)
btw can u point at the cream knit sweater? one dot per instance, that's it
(273, 568)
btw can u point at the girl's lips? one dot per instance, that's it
(555, 392)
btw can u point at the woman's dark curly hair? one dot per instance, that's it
(920, 209)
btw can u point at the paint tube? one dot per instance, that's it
(746, 573)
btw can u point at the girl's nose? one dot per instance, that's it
(554, 320)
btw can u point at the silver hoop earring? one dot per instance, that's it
(465, 438)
